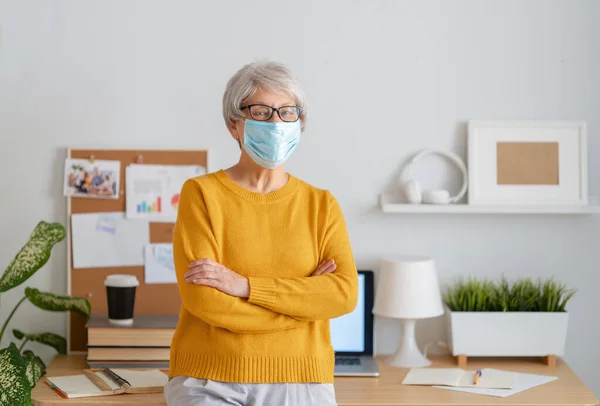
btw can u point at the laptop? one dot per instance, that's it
(352, 334)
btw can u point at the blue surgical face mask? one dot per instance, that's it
(270, 144)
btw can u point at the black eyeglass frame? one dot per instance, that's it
(249, 107)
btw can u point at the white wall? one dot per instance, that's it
(383, 78)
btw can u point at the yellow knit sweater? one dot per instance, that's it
(281, 332)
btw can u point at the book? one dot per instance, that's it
(108, 382)
(115, 354)
(129, 364)
(455, 377)
(146, 331)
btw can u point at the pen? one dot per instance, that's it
(476, 377)
(115, 378)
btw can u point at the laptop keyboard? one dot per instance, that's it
(347, 361)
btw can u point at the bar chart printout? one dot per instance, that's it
(153, 190)
(149, 206)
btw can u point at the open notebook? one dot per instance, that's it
(490, 378)
(109, 382)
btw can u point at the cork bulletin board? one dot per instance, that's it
(89, 282)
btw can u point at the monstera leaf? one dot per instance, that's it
(55, 341)
(34, 367)
(58, 303)
(34, 254)
(15, 389)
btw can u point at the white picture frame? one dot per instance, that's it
(484, 137)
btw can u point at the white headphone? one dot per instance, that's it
(412, 188)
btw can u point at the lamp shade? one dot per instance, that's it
(408, 289)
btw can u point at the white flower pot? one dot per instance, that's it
(497, 334)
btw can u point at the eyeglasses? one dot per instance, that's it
(261, 112)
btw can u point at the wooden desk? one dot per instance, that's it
(386, 390)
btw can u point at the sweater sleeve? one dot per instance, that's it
(315, 297)
(193, 239)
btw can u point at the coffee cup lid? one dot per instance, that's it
(121, 281)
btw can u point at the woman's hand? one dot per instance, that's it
(210, 273)
(325, 267)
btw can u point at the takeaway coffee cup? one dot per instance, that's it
(120, 294)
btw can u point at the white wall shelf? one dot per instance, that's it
(388, 205)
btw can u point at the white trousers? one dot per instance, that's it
(184, 391)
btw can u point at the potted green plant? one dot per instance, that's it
(519, 318)
(20, 369)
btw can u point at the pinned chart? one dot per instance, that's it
(153, 190)
(149, 207)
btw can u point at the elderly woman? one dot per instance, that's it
(263, 261)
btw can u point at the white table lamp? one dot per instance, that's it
(408, 289)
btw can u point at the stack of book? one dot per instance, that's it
(145, 344)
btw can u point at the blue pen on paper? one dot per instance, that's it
(476, 377)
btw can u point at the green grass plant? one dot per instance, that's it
(520, 295)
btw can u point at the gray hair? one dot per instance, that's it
(271, 76)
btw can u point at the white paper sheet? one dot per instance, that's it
(153, 190)
(108, 239)
(523, 382)
(490, 378)
(433, 376)
(159, 266)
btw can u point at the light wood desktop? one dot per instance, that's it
(385, 390)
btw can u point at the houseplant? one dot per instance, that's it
(519, 318)
(20, 369)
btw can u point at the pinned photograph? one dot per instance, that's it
(92, 178)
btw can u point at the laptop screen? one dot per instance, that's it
(347, 331)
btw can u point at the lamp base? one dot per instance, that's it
(408, 354)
